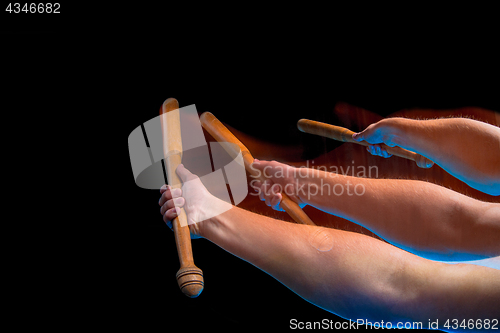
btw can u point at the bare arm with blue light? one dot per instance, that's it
(352, 275)
(423, 218)
(467, 149)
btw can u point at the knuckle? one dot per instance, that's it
(171, 203)
(174, 193)
(178, 202)
(167, 205)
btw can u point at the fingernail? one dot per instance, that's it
(178, 201)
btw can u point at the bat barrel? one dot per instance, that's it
(220, 133)
(326, 130)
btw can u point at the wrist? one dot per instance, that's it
(207, 214)
(290, 181)
(398, 131)
(216, 219)
(303, 185)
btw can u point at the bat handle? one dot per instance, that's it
(294, 210)
(189, 277)
(422, 161)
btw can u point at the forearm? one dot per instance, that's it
(352, 275)
(421, 217)
(465, 148)
(344, 277)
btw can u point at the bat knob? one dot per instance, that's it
(190, 280)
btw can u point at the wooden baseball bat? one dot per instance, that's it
(345, 135)
(220, 133)
(189, 277)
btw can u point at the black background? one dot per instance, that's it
(84, 83)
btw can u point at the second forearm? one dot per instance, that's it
(411, 214)
(467, 149)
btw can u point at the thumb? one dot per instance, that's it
(260, 165)
(184, 174)
(257, 164)
(371, 134)
(359, 136)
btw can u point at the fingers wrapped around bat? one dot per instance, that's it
(378, 150)
(170, 202)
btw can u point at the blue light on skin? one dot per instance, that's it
(454, 257)
(449, 258)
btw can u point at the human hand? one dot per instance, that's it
(197, 201)
(384, 131)
(279, 178)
